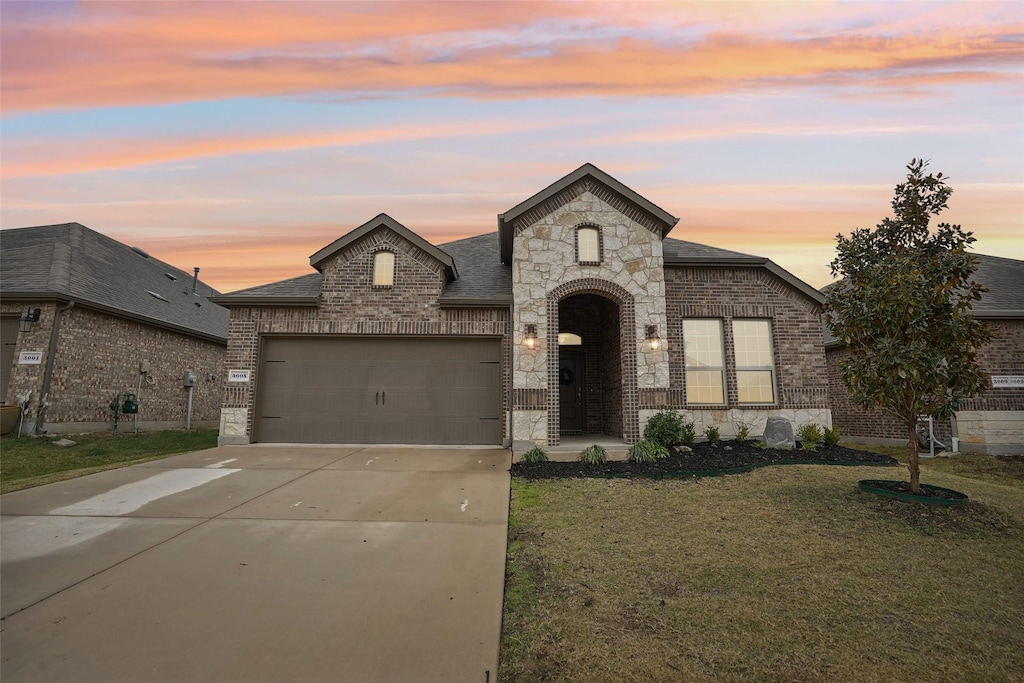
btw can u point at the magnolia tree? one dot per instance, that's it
(903, 310)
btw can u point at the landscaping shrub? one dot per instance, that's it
(832, 435)
(534, 455)
(711, 434)
(687, 433)
(742, 432)
(647, 450)
(810, 436)
(594, 455)
(665, 427)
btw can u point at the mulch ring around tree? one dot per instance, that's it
(706, 459)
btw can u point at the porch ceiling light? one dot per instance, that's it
(25, 322)
(530, 340)
(653, 341)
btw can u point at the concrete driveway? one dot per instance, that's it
(259, 563)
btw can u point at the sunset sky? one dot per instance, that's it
(242, 137)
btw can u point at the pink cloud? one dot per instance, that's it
(139, 54)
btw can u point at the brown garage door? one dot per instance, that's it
(380, 390)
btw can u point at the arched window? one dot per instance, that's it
(588, 245)
(383, 269)
(569, 339)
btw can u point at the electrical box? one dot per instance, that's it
(143, 367)
(189, 380)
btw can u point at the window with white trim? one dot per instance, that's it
(755, 365)
(588, 245)
(705, 369)
(383, 269)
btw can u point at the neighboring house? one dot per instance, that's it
(572, 319)
(85, 318)
(990, 423)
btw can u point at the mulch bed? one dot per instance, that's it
(706, 459)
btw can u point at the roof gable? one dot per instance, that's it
(385, 221)
(564, 190)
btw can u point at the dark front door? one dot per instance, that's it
(570, 390)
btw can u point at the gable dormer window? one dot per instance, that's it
(588, 245)
(384, 269)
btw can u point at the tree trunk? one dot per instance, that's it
(915, 471)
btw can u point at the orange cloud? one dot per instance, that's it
(162, 54)
(44, 159)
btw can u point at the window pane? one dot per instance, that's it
(704, 386)
(754, 386)
(702, 343)
(383, 269)
(752, 339)
(702, 350)
(588, 245)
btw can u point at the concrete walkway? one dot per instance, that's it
(256, 563)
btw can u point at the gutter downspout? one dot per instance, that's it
(44, 394)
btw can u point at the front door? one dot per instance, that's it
(570, 390)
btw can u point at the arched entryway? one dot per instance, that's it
(592, 386)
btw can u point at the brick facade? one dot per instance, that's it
(1002, 356)
(350, 305)
(98, 356)
(727, 293)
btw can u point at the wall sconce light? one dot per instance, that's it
(531, 337)
(652, 338)
(25, 321)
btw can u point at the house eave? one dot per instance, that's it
(494, 302)
(116, 312)
(301, 301)
(750, 262)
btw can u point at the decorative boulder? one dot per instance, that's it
(778, 434)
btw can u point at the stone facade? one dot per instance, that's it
(990, 423)
(98, 356)
(545, 271)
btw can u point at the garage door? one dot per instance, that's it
(374, 390)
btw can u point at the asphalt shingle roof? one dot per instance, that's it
(71, 261)
(482, 276)
(481, 273)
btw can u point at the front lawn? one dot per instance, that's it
(784, 573)
(30, 461)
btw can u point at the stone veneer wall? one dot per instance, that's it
(98, 356)
(545, 271)
(992, 422)
(726, 293)
(350, 305)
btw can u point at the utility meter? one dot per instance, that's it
(131, 405)
(189, 380)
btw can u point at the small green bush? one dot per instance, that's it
(742, 432)
(763, 445)
(647, 450)
(594, 455)
(810, 436)
(712, 434)
(665, 427)
(832, 435)
(687, 433)
(534, 455)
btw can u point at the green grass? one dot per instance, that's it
(28, 461)
(786, 573)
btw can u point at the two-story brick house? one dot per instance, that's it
(579, 316)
